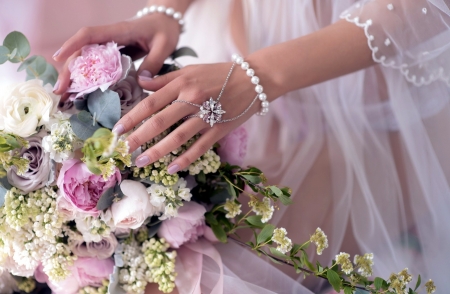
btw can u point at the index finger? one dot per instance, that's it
(118, 33)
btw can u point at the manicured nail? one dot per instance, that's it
(119, 129)
(142, 161)
(173, 169)
(145, 75)
(57, 53)
(56, 86)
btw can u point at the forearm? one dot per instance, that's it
(178, 5)
(331, 52)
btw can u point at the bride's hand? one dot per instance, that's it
(194, 84)
(155, 34)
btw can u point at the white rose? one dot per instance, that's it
(26, 106)
(134, 208)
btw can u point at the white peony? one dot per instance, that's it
(134, 208)
(25, 106)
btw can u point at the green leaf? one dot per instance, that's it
(219, 232)
(17, 40)
(378, 282)
(253, 179)
(277, 253)
(220, 196)
(105, 107)
(419, 280)
(4, 52)
(2, 195)
(348, 290)
(255, 220)
(183, 51)
(265, 234)
(5, 183)
(166, 68)
(152, 230)
(334, 280)
(109, 196)
(37, 67)
(83, 125)
(201, 177)
(231, 191)
(285, 199)
(277, 191)
(27, 62)
(12, 54)
(210, 218)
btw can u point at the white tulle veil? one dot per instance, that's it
(366, 154)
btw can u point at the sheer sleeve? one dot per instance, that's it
(412, 36)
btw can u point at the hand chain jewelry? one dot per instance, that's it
(211, 111)
(178, 16)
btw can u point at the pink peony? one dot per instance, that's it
(186, 227)
(98, 67)
(81, 188)
(85, 272)
(233, 147)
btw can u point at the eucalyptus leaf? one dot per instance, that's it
(105, 106)
(2, 195)
(37, 67)
(50, 75)
(219, 233)
(265, 234)
(12, 54)
(166, 68)
(109, 197)
(4, 52)
(153, 229)
(220, 196)
(114, 287)
(27, 62)
(5, 183)
(83, 125)
(183, 51)
(17, 40)
(334, 280)
(80, 104)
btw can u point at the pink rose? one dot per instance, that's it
(98, 67)
(233, 147)
(102, 250)
(86, 271)
(81, 188)
(186, 227)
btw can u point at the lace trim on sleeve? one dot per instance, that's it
(419, 74)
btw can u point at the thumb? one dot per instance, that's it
(153, 62)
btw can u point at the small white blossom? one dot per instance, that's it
(343, 259)
(364, 264)
(320, 239)
(232, 208)
(279, 237)
(263, 208)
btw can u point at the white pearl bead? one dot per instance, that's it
(255, 80)
(145, 10)
(265, 104)
(177, 15)
(250, 72)
(265, 110)
(262, 97)
(239, 60)
(181, 22)
(245, 65)
(161, 8)
(234, 57)
(152, 8)
(259, 89)
(139, 13)
(170, 11)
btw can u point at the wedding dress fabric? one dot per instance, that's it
(366, 154)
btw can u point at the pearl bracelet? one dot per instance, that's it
(255, 80)
(178, 16)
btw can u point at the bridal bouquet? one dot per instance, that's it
(78, 216)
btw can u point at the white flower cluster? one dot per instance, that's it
(30, 228)
(62, 141)
(398, 282)
(167, 200)
(320, 240)
(232, 208)
(364, 264)
(279, 237)
(343, 259)
(161, 263)
(134, 274)
(207, 163)
(103, 289)
(263, 208)
(93, 229)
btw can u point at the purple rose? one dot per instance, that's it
(40, 166)
(83, 189)
(102, 250)
(186, 227)
(233, 147)
(130, 93)
(98, 67)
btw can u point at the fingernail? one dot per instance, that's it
(56, 86)
(119, 129)
(145, 75)
(57, 53)
(142, 161)
(173, 169)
